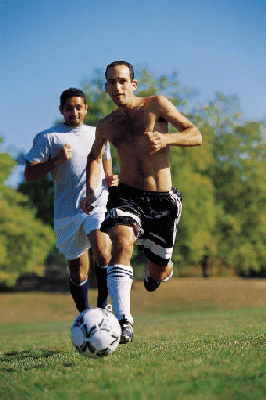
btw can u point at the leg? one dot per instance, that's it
(120, 277)
(157, 274)
(123, 239)
(161, 234)
(100, 246)
(79, 268)
(101, 249)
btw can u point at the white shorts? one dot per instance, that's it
(71, 232)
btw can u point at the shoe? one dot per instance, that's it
(127, 331)
(150, 284)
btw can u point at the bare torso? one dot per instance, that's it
(139, 168)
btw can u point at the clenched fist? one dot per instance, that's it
(112, 180)
(155, 141)
(86, 203)
(64, 154)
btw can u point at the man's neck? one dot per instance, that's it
(131, 107)
(73, 126)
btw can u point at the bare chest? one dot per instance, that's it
(128, 131)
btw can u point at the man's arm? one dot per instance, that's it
(94, 160)
(37, 170)
(188, 134)
(107, 167)
(93, 168)
(112, 180)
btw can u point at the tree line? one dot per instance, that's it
(223, 185)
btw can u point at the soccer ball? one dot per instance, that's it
(95, 333)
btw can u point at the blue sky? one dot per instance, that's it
(48, 46)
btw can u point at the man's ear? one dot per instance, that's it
(135, 84)
(61, 110)
(105, 86)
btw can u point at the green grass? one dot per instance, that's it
(208, 355)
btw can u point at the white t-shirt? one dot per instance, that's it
(70, 177)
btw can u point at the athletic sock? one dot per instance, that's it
(79, 292)
(101, 276)
(119, 282)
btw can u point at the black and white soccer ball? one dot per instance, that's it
(95, 333)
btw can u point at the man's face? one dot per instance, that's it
(74, 111)
(119, 85)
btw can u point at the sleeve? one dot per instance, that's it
(107, 152)
(40, 151)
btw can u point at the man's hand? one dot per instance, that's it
(86, 203)
(36, 170)
(64, 155)
(112, 180)
(156, 141)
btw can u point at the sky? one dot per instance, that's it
(47, 46)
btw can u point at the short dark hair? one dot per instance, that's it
(127, 64)
(71, 92)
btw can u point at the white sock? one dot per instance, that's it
(119, 282)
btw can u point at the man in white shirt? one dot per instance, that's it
(62, 150)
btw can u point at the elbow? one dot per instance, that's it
(198, 138)
(91, 158)
(28, 174)
(194, 136)
(27, 177)
(89, 161)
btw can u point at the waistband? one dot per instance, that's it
(132, 191)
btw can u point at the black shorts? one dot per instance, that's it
(155, 214)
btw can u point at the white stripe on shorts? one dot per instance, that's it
(116, 212)
(158, 250)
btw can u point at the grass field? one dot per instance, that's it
(193, 339)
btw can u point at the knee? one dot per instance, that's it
(123, 238)
(159, 273)
(101, 247)
(102, 256)
(122, 245)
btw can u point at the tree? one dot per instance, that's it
(41, 195)
(24, 241)
(188, 166)
(239, 185)
(222, 182)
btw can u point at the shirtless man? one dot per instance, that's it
(144, 205)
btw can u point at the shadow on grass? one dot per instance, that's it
(30, 353)
(30, 359)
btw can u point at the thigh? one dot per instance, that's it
(123, 209)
